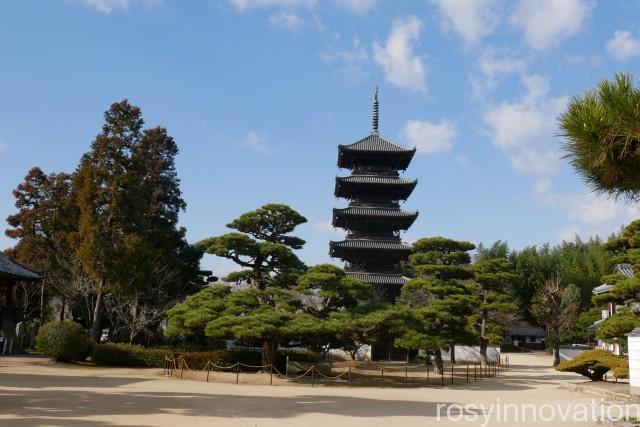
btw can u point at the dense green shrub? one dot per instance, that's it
(593, 364)
(63, 340)
(110, 354)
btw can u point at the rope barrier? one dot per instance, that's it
(490, 369)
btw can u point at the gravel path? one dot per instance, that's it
(36, 392)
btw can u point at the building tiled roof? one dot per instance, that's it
(378, 278)
(625, 270)
(389, 245)
(376, 179)
(378, 143)
(602, 289)
(379, 212)
(377, 217)
(14, 270)
(527, 331)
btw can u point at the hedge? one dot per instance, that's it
(593, 364)
(63, 341)
(110, 354)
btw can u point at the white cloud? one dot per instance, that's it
(430, 137)
(471, 19)
(401, 66)
(327, 227)
(525, 129)
(623, 46)
(356, 6)
(286, 20)
(545, 22)
(109, 6)
(590, 213)
(256, 143)
(242, 5)
(349, 61)
(492, 65)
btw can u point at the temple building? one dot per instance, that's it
(373, 249)
(11, 273)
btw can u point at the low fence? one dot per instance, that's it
(388, 376)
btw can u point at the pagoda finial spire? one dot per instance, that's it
(375, 113)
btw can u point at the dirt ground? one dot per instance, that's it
(37, 392)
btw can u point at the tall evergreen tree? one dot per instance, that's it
(266, 311)
(440, 299)
(497, 308)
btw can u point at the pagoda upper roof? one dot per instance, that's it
(374, 150)
(376, 143)
(378, 278)
(387, 218)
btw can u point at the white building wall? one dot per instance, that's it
(634, 364)
(466, 353)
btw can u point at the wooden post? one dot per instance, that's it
(427, 375)
(208, 369)
(467, 371)
(475, 377)
(238, 373)
(313, 375)
(382, 378)
(442, 376)
(286, 368)
(452, 373)
(349, 375)
(181, 368)
(271, 374)
(405, 375)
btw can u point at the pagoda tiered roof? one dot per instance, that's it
(349, 247)
(375, 217)
(395, 187)
(374, 149)
(379, 278)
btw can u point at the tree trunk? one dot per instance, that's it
(42, 302)
(452, 352)
(64, 303)
(96, 332)
(269, 352)
(437, 360)
(483, 334)
(556, 355)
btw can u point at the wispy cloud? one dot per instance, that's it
(256, 143)
(356, 6)
(109, 6)
(470, 19)
(525, 129)
(429, 137)
(623, 46)
(242, 5)
(287, 20)
(590, 213)
(546, 22)
(401, 66)
(350, 61)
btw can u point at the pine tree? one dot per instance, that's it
(438, 301)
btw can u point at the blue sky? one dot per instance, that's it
(259, 93)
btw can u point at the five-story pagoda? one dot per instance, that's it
(373, 219)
